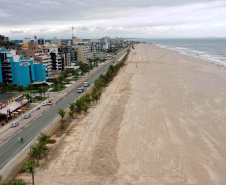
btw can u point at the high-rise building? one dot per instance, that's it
(105, 43)
(19, 70)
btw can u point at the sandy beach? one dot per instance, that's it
(162, 120)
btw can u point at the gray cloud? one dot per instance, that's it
(32, 11)
(94, 18)
(16, 32)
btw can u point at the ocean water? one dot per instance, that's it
(209, 49)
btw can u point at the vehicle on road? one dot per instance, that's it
(50, 103)
(85, 84)
(44, 103)
(80, 90)
(14, 124)
(27, 116)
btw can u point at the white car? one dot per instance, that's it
(85, 84)
(44, 103)
(27, 116)
(80, 90)
(14, 124)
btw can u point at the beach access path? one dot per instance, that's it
(162, 120)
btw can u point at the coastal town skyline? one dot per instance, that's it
(94, 19)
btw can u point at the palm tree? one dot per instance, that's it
(43, 138)
(70, 113)
(62, 121)
(44, 90)
(72, 107)
(62, 113)
(18, 182)
(60, 80)
(40, 90)
(28, 97)
(39, 150)
(86, 109)
(79, 103)
(55, 84)
(87, 98)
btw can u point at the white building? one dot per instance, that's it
(26, 41)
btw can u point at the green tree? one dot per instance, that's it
(18, 182)
(28, 97)
(43, 138)
(86, 107)
(72, 107)
(10, 87)
(40, 90)
(44, 90)
(30, 87)
(62, 113)
(20, 88)
(62, 121)
(55, 84)
(60, 80)
(2, 89)
(38, 150)
(98, 84)
(87, 99)
(67, 81)
(79, 103)
(27, 166)
(71, 114)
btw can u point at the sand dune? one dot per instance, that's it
(161, 121)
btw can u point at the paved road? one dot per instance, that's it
(11, 148)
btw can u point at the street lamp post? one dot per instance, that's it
(32, 171)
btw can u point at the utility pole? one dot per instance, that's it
(33, 180)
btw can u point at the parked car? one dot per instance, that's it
(44, 103)
(85, 84)
(14, 124)
(27, 116)
(50, 103)
(80, 90)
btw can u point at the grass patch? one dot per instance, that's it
(40, 98)
(31, 91)
(60, 89)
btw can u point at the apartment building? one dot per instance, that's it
(56, 41)
(19, 70)
(3, 39)
(95, 45)
(82, 49)
(37, 54)
(105, 43)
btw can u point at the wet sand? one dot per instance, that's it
(162, 120)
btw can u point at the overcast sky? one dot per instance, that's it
(98, 18)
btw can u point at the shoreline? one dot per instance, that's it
(186, 48)
(160, 121)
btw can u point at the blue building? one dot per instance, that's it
(20, 71)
